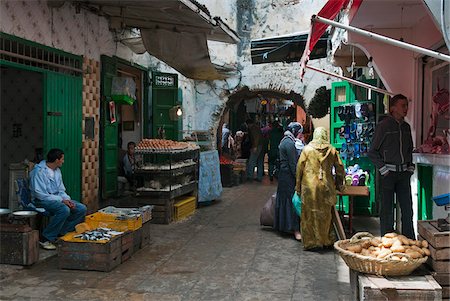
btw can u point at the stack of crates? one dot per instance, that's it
(184, 207)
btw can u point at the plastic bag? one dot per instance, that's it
(268, 211)
(297, 202)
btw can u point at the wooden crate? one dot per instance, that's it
(127, 245)
(439, 246)
(137, 240)
(428, 230)
(90, 256)
(19, 247)
(226, 175)
(411, 288)
(184, 207)
(163, 213)
(145, 234)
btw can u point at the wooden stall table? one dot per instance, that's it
(352, 191)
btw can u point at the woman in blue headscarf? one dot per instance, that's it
(285, 218)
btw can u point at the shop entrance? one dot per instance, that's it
(40, 109)
(21, 131)
(121, 121)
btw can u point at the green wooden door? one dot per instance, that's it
(164, 97)
(109, 131)
(62, 125)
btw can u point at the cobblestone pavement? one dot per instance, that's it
(220, 253)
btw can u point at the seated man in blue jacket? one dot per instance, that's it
(48, 192)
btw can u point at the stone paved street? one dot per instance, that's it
(221, 253)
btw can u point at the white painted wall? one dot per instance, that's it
(268, 19)
(80, 33)
(87, 34)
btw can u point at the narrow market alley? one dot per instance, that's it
(220, 253)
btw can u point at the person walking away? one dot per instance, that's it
(285, 218)
(48, 192)
(391, 153)
(275, 136)
(265, 131)
(256, 158)
(316, 186)
(225, 138)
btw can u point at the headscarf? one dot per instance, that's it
(320, 138)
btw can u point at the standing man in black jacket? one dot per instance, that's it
(391, 153)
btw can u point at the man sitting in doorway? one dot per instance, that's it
(129, 163)
(48, 192)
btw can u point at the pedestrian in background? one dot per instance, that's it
(225, 137)
(275, 136)
(391, 153)
(256, 158)
(316, 186)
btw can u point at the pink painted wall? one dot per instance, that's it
(396, 66)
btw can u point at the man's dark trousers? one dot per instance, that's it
(398, 183)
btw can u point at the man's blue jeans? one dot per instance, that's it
(62, 218)
(256, 159)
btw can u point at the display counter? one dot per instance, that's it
(431, 159)
(432, 178)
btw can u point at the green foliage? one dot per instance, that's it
(319, 105)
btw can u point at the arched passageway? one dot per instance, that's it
(263, 106)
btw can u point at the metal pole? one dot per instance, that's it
(384, 39)
(351, 80)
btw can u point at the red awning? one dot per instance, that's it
(329, 11)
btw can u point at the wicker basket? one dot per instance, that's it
(370, 265)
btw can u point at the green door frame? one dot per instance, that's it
(109, 132)
(62, 106)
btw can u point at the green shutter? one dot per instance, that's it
(109, 131)
(62, 125)
(164, 97)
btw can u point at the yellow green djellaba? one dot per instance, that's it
(317, 187)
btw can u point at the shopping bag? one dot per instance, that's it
(297, 202)
(268, 211)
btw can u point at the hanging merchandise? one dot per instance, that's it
(353, 117)
(123, 90)
(112, 111)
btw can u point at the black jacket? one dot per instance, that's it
(392, 144)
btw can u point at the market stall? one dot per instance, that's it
(169, 176)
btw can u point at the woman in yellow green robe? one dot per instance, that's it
(317, 186)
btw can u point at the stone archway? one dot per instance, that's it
(239, 96)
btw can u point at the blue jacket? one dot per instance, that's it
(43, 188)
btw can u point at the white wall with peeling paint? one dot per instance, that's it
(268, 18)
(84, 33)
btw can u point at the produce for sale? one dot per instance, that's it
(381, 247)
(161, 144)
(225, 161)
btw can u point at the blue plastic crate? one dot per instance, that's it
(441, 200)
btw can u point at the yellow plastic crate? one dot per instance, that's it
(184, 207)
(100, 219)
